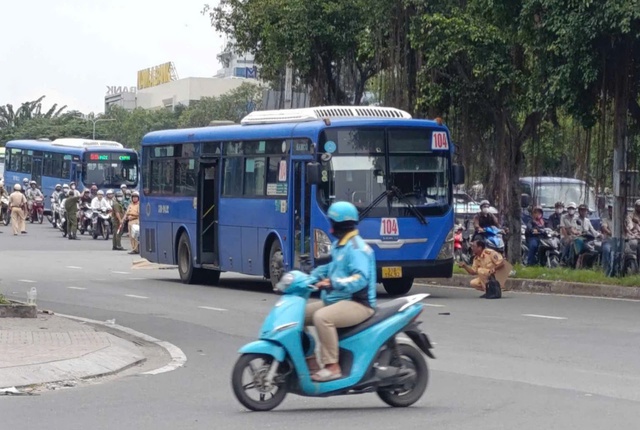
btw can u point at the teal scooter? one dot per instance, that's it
(373, 355)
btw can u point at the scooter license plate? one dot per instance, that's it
(391, 272)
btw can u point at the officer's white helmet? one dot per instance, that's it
(17, 187)
(101, 193)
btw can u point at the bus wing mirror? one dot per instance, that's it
(525, 200)
(458, 174)
(314, 173)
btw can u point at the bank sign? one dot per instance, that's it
(113, 90)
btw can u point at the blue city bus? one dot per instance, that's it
(104, 163)
(253, 198)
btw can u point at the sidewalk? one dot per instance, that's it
(547, 287)
(51, 348)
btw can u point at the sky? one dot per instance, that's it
(71, 50)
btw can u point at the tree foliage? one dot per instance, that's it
(130, 126)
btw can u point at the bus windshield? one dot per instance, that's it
(359, 171)
(548, 194)
(110, 170)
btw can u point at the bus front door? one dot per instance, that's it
(207, 207)
(301, 212)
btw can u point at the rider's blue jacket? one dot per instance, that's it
(352, 272)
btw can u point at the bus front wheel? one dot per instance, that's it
(276, 263)
(397, 287)
(188, 273)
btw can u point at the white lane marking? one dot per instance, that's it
(74, 267)
(27, 281)
(136, 297)
(137, 279)
(121, 273)
(178, 358)
(76, 288)
(212, 308)
(433, 306)
(578, 296)
(544, 316)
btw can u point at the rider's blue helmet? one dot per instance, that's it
(343, 212)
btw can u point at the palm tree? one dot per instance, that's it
(27, 111)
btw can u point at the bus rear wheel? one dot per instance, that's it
(397, 287)
(276, 263)
(188, 273)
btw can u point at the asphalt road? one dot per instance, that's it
(524, 362)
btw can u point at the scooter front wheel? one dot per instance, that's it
(249, 377)
(410, 392)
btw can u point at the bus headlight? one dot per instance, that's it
(446, 251)
(322, 243)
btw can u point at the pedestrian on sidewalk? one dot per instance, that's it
(18, 206)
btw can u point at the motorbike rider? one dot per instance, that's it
(100, 203)
(556, 217)
(32, 193)
(110, 197)
(65, 192)
(127, 199)
(85, 199)
(569, 231)
(484, 219)
(606, 229)
(348, 289)
(56, 193)
(117, 218)
(71, 207)
(535, 227)
(25, 184)
(132, 216)
(3, 191)
(94, 190)
(585, 228)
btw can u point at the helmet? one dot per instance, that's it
(86, 191)
(101, 193)
(72, 183)
(571, 205)
(58, 186)
(537, 209)
(119, 194)
(25, 181)
(343, 212)
(559, 205)
(32, 183)
(123, 186)
(583, 206)
(17, 187)
(109, 192)
(135, 194)
(94, 187)
(485, 203)
(637, 202)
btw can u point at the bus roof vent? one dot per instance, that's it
(86, 143)
(311, 114)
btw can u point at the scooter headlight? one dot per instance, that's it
(285, 282)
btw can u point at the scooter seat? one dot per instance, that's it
(383, 311)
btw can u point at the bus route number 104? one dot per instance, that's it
(439, 141)
(389, 227)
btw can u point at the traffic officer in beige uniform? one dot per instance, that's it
(486, 262)
(18, 205)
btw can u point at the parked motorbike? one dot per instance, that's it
(37, 210)
(630, 258)
(373, 357)
(6, 213)
(457, 243)
(548, 248)
(101, 224)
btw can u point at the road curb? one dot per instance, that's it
(547, 287)
(178, 358)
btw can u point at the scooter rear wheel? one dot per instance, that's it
(410, 392)
(249, 374)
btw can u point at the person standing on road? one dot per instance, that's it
(569, 231)
(18, 206)
(486, 262)
(133, 218)
(71, 207)
(117, 218)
